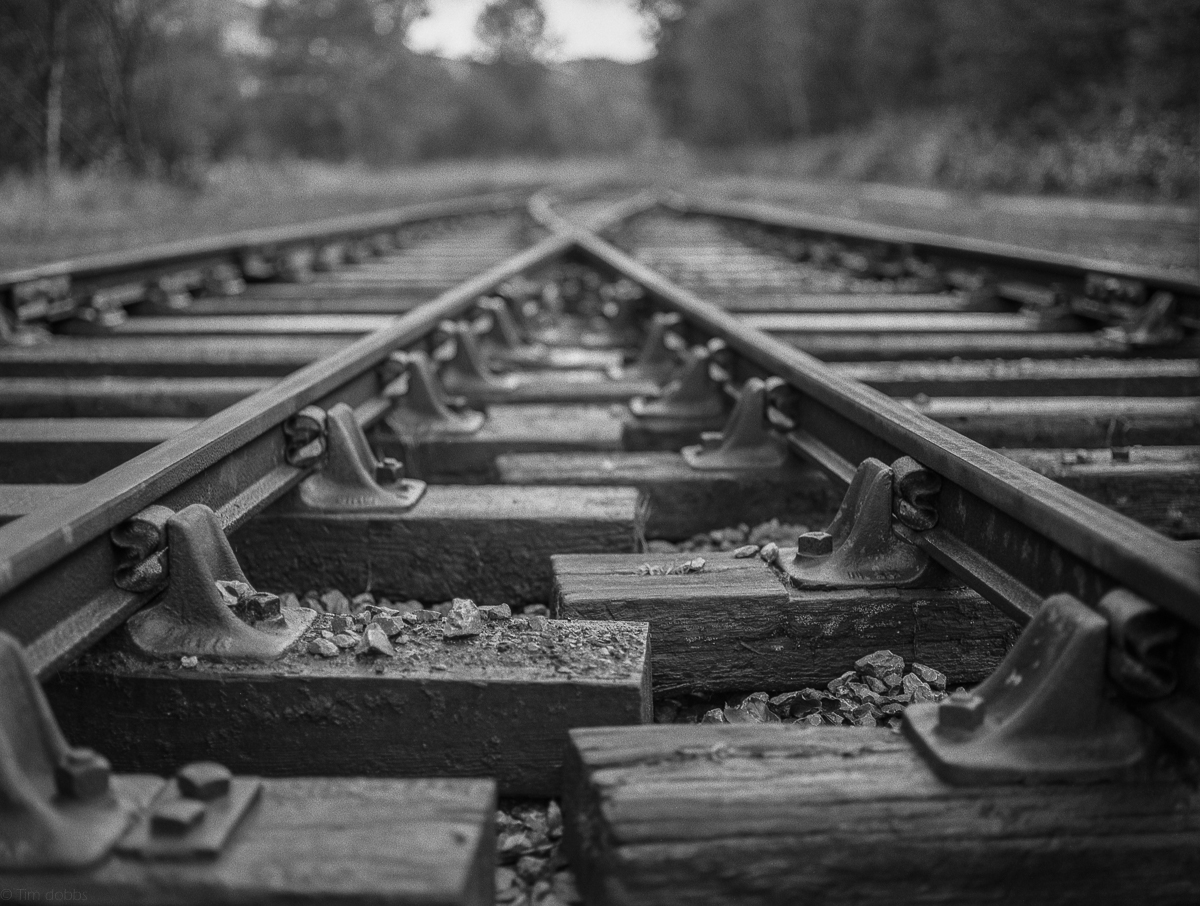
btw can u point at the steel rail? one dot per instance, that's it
(56, 565)
(1069, 271)
(1013, 534)
(111, 268)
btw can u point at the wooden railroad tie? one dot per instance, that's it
(736, 624)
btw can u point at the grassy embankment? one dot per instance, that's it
(836, 176)
(91, 213)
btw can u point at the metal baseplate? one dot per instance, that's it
(58, 810)
(207, 608)
(859, 548)
(1046, 714)
(349, 479)
(746, 442)
(420, 405)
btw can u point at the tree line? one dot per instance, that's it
(167, 86)
(159, 87)
(731, 71)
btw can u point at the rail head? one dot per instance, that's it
(1069, 272)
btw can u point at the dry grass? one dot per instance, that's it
(94, 213)
(97, 212)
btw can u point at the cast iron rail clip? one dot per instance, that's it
(746, 441)
(859, 548)
(58, 810)
(205, 608)
(420, 406)
(348, 478)
(693, 396)
(1046, 714)
(467, 371)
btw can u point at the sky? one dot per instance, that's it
(583, 28)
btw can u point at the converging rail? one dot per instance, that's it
(658, 367)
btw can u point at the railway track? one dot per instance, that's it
(507, 494)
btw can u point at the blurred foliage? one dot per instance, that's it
(1055, 95)
(1048, 94)
(157, 87)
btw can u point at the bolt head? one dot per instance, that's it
(389, 471)
(204, 780)
(814, 544)
(82, 774)
(176, 817)
(963, 711)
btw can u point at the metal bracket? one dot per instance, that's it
(657, 358)
(208, 609)
(1155, 324)
(745, 442)
(693, 396)
(420, 407)
(1043, 716)
(295, 264)
(56, 808)
(859, 549)
(224, 280)
(467, 371)
(506, 339)
(1142, 642)
(193, 815)
(349, 479)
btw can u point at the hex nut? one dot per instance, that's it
(963, 711)
(204, 780)
(82, 774)
(176, 817)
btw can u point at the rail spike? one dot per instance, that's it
(208, 608)
(859, 549)
(350, 479)
(420, 406)
(745, 442)
(56, 808)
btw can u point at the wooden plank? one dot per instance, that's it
(875, 303)
(1157, 486)
(75, 450)
(1031, 377)
(447, 457)
(1071, 421)
(684, 501)
(318, 841)
(988, 323)
(495, 705)
(675, 815)
(123, 397)
(310, 299)
(906, 346)
(489, 543)
(318, 326)
(152, 356)
(735, 625)
(565, 386)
